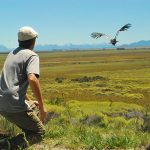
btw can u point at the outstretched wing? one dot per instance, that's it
(96, 35)
(124, 28)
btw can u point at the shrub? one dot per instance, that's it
(57, 101)
(134, 96)
(59, 79)
(118, 123)
(88, 79)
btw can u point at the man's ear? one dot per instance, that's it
(37, 76)
(33, 44)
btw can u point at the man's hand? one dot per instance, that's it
(36, 103)
(43, 112)
(43, 115)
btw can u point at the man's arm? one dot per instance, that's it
(35, 86)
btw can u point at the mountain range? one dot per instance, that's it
(51, 47)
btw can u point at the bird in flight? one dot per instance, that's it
(113, 41)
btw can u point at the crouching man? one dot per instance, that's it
(21, 68)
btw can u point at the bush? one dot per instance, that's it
(59, 79)
(118, 123)
(88, 79)
(57, 101)
(134, 96)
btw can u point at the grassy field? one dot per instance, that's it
(122, 75)
(98, 96)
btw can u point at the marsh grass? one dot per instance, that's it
(116, 133)
(124, 86)
(126, 74)
(69, 131)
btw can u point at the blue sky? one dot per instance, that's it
(72, 21)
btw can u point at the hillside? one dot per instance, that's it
(55, 47)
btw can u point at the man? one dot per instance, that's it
(20, 69)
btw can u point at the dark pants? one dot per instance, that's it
(32, 127)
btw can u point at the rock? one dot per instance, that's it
(51, 115)
(128, 115)
(134, 114)
(147, 147)
(91, 120)
(146, 124)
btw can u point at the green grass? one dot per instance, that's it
(111, 133)
(127, 73)
(124, 87)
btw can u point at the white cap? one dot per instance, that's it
(26, 33)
